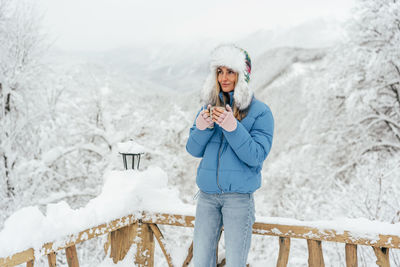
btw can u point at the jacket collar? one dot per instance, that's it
(231, 93)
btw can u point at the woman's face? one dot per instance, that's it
(226, 78)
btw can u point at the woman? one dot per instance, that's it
(233, 146)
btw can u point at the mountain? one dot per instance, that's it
(184, 66)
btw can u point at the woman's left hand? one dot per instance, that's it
(225, 118)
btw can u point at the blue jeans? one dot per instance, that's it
(234, 211)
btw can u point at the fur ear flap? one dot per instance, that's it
(237, 59)
(242, 94)
(209, 91)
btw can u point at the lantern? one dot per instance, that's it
(131, 152)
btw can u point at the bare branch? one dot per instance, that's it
(398, 23)
(381, 145)
(393, 125)
(381, 117)
(396, 91)
(10, 189)
(67, 151)
(376, 31)
(396, 67)
(378, 204)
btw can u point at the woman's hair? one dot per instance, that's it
(239, 114)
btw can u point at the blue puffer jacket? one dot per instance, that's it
(232, 161)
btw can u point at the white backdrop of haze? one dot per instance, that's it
(103, 24)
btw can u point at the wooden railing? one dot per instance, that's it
(122, 233)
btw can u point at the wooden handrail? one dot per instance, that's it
(144, 225)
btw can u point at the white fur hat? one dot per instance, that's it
(231, 56)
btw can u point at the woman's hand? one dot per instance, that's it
(225, 118)
(203, 120)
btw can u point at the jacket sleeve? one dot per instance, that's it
(253, 147)
(198, 139)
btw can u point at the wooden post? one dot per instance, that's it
(315, 256)
(72, 257)
(51, 258)
(107, 244)
(382, 255)
(284, 248)
(222, 263)
(145, 247)
(351, 255)
(189, 256)
(115, 244)
(121, 241)
(29, 263)
(216, 252)
(161, 241)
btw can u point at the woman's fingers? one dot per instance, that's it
(206, 114)
(218, 118)
(221, 117)
(218, 114)
(218, 111)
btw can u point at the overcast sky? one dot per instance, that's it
(104, 24)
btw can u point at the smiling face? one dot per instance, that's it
(227, 78)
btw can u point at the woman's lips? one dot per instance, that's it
(225, 84)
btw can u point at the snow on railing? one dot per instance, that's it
(131, 206)
(141, 228)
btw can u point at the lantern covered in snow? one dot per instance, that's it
(131, 152)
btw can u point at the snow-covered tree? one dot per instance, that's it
(364, 91)
(374, 38)
(21, 44)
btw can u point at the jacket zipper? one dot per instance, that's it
(219, 154)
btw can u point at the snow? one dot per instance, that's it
(127, 192)
(128, 261)
(360, 227)
(12, 238)
(130, 147)
(123, 193)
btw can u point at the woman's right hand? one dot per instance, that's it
(203, 120)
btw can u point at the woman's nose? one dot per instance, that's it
(224, 76)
